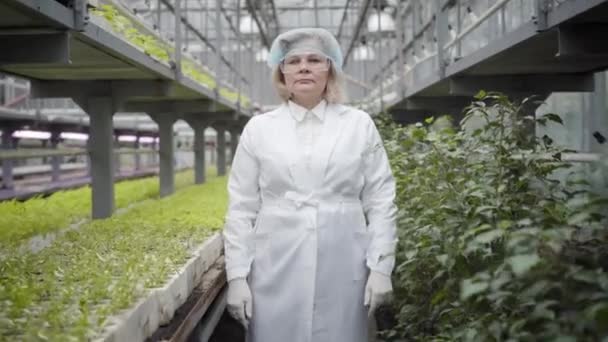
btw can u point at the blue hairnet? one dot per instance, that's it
(306, 39)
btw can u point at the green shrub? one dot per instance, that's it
(492, 247)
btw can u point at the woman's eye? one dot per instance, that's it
(293, 61)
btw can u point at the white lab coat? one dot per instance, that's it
(307, 254)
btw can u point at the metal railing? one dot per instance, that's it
(437, 34)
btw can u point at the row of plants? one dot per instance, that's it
(493, 246)
(155, 47)
(68, 291)
(22, 220)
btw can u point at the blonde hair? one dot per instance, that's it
(333, 93)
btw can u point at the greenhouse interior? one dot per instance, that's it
(447, 179)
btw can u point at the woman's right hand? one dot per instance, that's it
(239, 301)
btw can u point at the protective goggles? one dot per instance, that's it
(292, 64)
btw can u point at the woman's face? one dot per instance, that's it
(306, 74)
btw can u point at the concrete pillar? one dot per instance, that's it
(137, 155)
(7, 165)
(221, 150)
(234, 142)
(166, 153)
(199, 153)
(100, 111)
(155, 155)
(55, 160)
(212, 152)
(115, 148)
(598, 130)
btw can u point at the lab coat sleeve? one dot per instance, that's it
(378, 196)
(243, 206)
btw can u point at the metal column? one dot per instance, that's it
(199, 153)
(600, 114)
(166, 154)
(441, 32)
(234, 142)
(221, 150)
(116, 154)
(100, 111)
(55, 160)
(380, 54)
(219, 41)
(137, 155)
(7, 164)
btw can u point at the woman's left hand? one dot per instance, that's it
(378, 291)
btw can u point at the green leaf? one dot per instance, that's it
(470, 287)
(442, 259)
(480, 95)
(521, 264)
(553, 117)
(541, 310)
(565, 339)
(489, 236)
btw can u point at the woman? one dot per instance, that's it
(310, 229)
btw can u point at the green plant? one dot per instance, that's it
(493, 247)
(68, 291)
(158, 49)
(22, 220)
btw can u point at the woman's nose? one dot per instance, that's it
(303, 67)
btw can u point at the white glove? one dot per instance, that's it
(378, 291)
(238, 301)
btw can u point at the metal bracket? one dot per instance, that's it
(81, 15)
(541, 15)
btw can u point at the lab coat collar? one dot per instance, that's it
(322, 150)
(298, 112)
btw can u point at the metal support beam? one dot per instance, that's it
(316, 10)
(52, 48)
(199, 34)
(441, 33)
(406, 117)
(116, 155)
(221, 149)
(199, 125)
(441, 105)
(100, 111)
(343, 20)
(199, 153)
(178, 40)
(275, 17)
(583, 41)
(7, 165)
(218, 52)
(263, 34)
(166, 153)
(531, 84)
(360, 22)
(599, 115)
(234, 142)
(55, 160)
(81, 16)
(118, 88)
(541, 14)
(137, 155)
(170, 106)
(400, 49)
